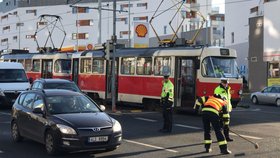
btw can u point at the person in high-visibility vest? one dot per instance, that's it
(224, 90)
(167, 100)
(211, 116)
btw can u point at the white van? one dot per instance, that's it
(13, 81)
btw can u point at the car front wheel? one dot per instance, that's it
(255, 100)
(15, 133)
(278, 102)
(50, 144)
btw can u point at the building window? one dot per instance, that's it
(41, 23)
(84, 22)
(80, 10)
(4, 17)
(6, 28)
(122, 19)
(140, 18)
(4, 41)
(232, 37)
(164, 29)
(15, 38)
(34, 11)
(30, 36)
(15, 2)
(142, 5)
(80, 36)
(123, 33)
(125, 6)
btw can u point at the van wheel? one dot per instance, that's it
(50, 144)
(15, 132)
(278, 102)
(255, 100)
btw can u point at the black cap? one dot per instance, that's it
(166, 76)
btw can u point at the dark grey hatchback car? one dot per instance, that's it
(64, 121)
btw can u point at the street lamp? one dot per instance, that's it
(19, 26)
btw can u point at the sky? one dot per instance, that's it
(219, 3)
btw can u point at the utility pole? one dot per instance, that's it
(129, 29)
(114, 39)
(99, 21)
(77, 23)
(206, 42)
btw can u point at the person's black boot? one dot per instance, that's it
(229, 139)
(225, 152)
(208, 150)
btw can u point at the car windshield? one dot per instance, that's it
(12, 75)
(67, 86)
(70, 104)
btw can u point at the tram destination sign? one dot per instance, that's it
(224, 52)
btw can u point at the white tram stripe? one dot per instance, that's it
(186, 126)
(145, 119)
(151, 146)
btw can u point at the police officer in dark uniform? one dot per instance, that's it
(167, 95)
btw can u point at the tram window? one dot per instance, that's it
(98, 66)
(27, 65)
(85, 65)
(21, 61)
(13, 60)
(36, 66)
(62, 66)
(128, 66)
(218, 67)
(160, 63)
(144, 66)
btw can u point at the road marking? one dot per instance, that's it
(241, 110)
(246, 136)
(151, 146)
(144, 119)
(3, 113)
(186, 126)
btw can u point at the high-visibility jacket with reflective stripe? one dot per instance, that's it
(215, 105)
(224, 92)
(168, 88)
(200, 102)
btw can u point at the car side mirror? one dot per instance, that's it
(102, 107)
(38, 110)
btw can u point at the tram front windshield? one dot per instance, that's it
(218, 67)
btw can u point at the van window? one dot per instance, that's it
(12, 75)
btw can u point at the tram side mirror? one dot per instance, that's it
(197, 63)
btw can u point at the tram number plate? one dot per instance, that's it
(98, 139)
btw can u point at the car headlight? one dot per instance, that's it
(117, 126)
(2, 93)
(66, 129)
(240, 92)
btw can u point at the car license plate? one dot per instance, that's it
(98, 139)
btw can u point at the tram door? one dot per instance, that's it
(185, 78)
(108, 94)
(75, 70)
(47, 67)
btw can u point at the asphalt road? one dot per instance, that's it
(259, 123)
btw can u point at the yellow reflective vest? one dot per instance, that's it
(168, 88)
(226, 93)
